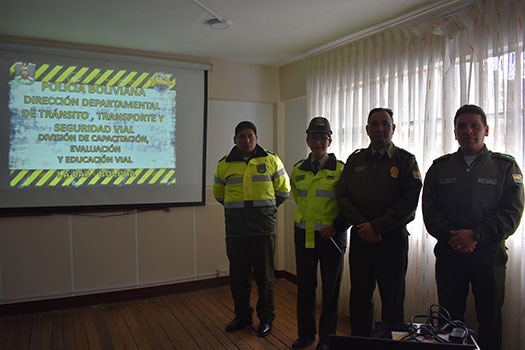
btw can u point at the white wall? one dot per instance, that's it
(43, 257)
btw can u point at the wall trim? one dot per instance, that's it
(121, 295)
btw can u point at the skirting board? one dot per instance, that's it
(122, 295)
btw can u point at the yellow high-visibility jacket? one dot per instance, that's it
(315, 196)
(250, 191)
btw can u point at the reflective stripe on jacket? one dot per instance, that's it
(315, 196)
(250, 191)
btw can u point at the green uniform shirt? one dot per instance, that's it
(382, 191)
(486, 198)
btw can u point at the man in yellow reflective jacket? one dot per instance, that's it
(319, 235)
(251, 183)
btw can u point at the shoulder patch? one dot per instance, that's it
(445, 157)
(503, 156)
(518, 178)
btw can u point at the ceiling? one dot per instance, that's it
(268, 32)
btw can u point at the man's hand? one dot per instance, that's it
(327, 232)
(367, 234)
(462, 241)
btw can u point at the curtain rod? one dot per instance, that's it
(442, 6)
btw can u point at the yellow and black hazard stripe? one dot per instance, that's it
(96, 76)
(90, 177)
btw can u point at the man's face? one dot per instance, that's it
(318, 142)
(470, 133)
(246, 140)
(380, 129)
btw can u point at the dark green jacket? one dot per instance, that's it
(488, 198)
(381, 191)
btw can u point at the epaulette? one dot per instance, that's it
(340, 161)
(273, 154)
(357, 151)
(446, 156)
(405, 151)
(302, 160)
(220, 160)
(504, 156)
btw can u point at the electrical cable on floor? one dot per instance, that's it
(436, 323)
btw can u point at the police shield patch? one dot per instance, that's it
(394, 172)
(261, 168)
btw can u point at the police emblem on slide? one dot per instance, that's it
(261, 168)
(24, 73)
(394, 172)
(161, 82)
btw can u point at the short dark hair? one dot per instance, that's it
(381, 109)
(470, 109)
(245, 125)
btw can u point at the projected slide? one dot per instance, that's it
(94, 130)
(85, 126)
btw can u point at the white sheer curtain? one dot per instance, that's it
(425, 73)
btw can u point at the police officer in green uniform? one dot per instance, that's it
(319, 236)
(473, 201)
(251, 183)
(378, 194)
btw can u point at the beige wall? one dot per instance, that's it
(61, 255)
(292, 86)
(243, 82)
(292, 80)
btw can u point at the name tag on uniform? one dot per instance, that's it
(360, 169)
(447, 180)
(485, 181)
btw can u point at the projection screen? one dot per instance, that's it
(86, 130)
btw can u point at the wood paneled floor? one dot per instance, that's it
(194, 320)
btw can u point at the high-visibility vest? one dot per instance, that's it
(315, 196)
(255, 183)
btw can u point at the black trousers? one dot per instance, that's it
(332, 262)
(247, 255)
(384, 263)
(485, 270)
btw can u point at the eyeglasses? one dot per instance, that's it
(319, 138)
